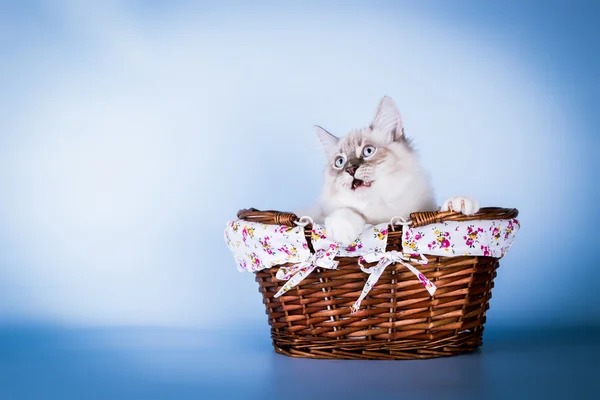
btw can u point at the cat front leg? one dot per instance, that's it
(466, 205)
(344, 225)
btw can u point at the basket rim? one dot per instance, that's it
(274, 217)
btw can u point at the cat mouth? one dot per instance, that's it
(356, 183)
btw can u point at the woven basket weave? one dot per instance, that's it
(398, 319)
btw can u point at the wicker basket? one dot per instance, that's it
(398, 320)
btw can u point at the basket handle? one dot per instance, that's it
(268, 217)
(486, 213)
(418, 219)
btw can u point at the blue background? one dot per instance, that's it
(131, 131)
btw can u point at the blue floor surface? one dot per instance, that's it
(52, 363)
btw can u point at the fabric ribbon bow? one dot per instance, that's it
(383, 260)
(322, 258)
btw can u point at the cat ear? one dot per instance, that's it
(387, 120)
(328, 141)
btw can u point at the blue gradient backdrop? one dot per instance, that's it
(131, 131)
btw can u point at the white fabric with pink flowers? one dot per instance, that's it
(258, 246)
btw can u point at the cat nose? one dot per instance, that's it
(351, 170)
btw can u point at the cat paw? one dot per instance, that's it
(344, 226)
(466, 205)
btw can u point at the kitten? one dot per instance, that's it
(373, 175)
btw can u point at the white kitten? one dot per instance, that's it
(373, 175)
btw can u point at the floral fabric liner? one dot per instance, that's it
(258, 246)
(469, 238)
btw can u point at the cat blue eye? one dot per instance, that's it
(339, 162)
(368, 151)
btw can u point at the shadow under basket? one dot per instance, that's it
(397, 319)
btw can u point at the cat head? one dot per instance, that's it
(366, 158)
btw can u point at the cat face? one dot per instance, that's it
(365, 158)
